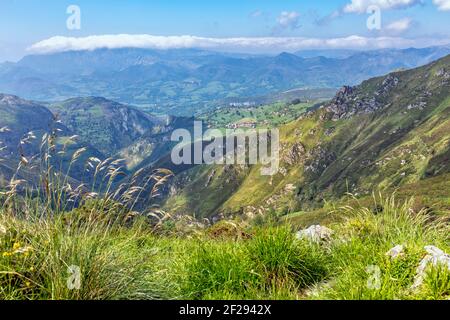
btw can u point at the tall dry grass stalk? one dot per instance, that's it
(51, 190)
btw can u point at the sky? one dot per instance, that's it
(260, 26)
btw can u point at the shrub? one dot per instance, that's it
(280, 256)
(219, 267)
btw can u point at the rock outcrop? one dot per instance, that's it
(316, 234)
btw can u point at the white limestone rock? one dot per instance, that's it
(436, 257)
(315, 233)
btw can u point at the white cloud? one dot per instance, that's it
(443, 5)
(289, 20)
(360, 6)
(256, 14)
(264, 44)
(400, 25)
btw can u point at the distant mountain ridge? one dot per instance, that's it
(186, 82)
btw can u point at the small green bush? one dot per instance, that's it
(219, 268)
(280, 256)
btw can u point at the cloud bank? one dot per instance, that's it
(263, 44)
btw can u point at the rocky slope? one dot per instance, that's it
(388, 132)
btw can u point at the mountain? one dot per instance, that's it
(388, 133)
(188, 82)
(101, 127)
(330, 53)
(23, 125)
(152, 146)
(18, 117)
(109, 125)
(410, 56)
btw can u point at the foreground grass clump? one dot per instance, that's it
(219, 267)
(65, 239)
(269, 264)
(40, 259)
(279, 255)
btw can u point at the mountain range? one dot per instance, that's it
(188, 82)
(388, 133)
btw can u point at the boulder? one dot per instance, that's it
(315, 233)
(435, 257)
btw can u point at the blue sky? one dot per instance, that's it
(27, 22)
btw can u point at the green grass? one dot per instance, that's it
(279, 255)
(218, 267)
(228, 261)
(363, 240)
(36, 255)
(270, 115)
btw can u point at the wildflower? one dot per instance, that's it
(16, 245)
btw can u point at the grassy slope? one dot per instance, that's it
(230, 260)
(268, 115)
(387, 149)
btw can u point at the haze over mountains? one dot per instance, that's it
(187, 82)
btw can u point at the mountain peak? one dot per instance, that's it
(288, 57)
(9, 99)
